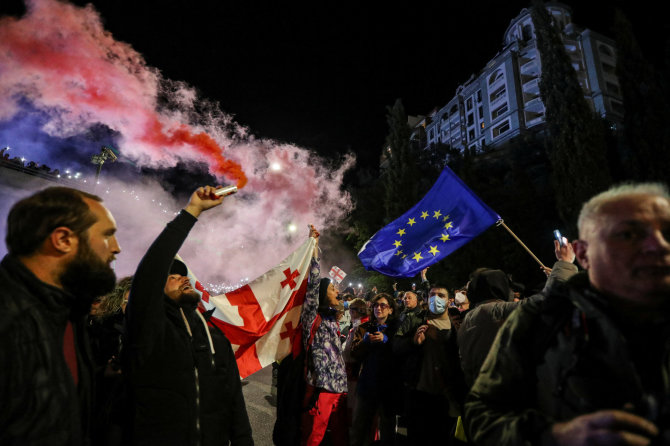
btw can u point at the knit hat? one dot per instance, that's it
(178, 267)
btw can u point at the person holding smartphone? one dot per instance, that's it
(372, 347)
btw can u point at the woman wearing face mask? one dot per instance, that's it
(440, 389)
(372, 346)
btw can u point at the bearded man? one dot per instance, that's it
(60, 244)
(183, 379)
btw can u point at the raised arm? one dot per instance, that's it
(145, 313)
(311, 303)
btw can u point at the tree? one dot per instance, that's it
(646, 109)
(400, 179)
(576, 145)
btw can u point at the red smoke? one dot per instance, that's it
(201, 142)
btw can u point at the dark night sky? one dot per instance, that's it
(321, 75)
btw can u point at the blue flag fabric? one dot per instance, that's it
(448, 217)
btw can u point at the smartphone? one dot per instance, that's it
(558, 236)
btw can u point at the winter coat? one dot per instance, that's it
(562, 356)
(39, 401)
(325, 363)
(182, 391)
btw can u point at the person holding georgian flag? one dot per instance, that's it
(183, 378)
(326, 393)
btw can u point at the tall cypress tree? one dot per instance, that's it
(401, 178)
(646, 108)
(576, 146)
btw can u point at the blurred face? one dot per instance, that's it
(179, 289)
(357, 311)
(626, 249)
(381, 309)
(410, 300)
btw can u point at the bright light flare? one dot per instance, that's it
(275, 167)
(292, 228)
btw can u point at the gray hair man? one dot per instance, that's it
(589, 364)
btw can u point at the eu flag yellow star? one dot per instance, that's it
(446, 217)
(424, 215)
(397, 243)
(401, 232)
(398, 252)
(417, 256)
(444, 237)
(437, 214)
(449, 225)
(433, 250)
(411, 222)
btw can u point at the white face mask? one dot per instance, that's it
(437, 305)
(460, 298)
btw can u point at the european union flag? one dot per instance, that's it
(448, 217)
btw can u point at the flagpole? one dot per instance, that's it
(502, 223)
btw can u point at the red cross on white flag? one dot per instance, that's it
(261, 319)
(337, 274)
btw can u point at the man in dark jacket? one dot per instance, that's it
(183, 379)
(61, 242)
(590, 363)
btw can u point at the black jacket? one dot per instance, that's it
(39, 403)
(182, 393)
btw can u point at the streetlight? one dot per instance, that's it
(106, 154)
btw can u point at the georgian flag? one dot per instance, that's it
(261, 319)
(337, 274)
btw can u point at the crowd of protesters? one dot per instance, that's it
(584, 361)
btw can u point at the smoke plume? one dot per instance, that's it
(67, 87)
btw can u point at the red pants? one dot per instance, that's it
(330, 409)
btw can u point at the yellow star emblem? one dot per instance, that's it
(397, 243)
(433, 250)
(437, 214)
(399, 252)
(401, 232)
(444, 237)
(417, 256)
(446, 217)
(448, 225)
(424, 215)
(404, 256)
(411, 222)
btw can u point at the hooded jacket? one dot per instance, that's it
(184, 384)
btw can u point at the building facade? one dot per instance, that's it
(504, 99)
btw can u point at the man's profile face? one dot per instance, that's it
(89, 273)
(102, 234)
(179, 289)
(409, 299)
(626, 249)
